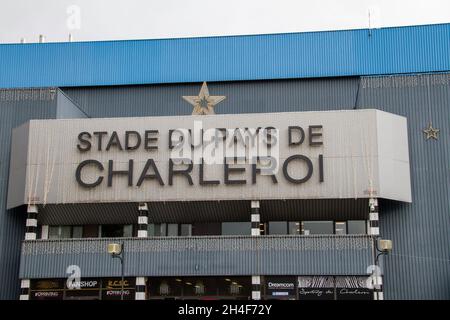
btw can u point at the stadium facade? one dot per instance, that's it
(354, 119)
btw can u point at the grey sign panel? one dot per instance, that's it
(18, 165)
(344, 154)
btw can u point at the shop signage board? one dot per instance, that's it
(280, 287)
(334, 288)
(294, 155)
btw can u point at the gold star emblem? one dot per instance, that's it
(203, 103)
(431, 132)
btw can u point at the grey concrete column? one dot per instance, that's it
(30, 234)
(256, 231)
(256, 287)
(142, 233)
(25, 289)
(255, 219)
(140, 288)
(31, 223)
(374, 230)
(143, 221)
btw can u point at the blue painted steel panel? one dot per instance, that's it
(294, 55)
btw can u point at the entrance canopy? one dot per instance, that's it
(265, 156)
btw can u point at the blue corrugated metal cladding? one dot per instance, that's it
(295, 55)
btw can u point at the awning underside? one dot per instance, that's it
(206, 211)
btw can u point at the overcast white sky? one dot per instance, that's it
(149, 19)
